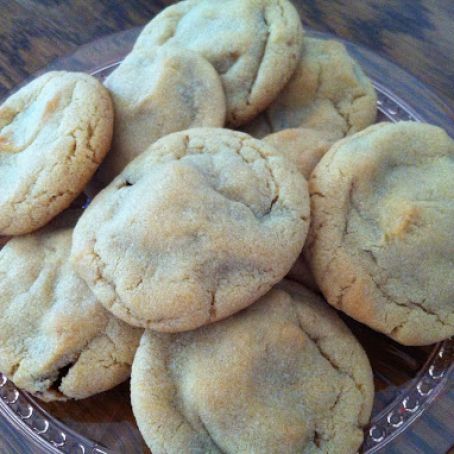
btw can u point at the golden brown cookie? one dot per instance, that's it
(158, 92)
(54, 133)
(193, 230)
(303, 146)
(284, 375)
(328, 91)
(381, 245)
(56, 341)
(254, 45)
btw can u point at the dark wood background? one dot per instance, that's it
(417, 34)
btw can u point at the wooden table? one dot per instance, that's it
(417, 34)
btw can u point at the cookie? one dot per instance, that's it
(284, 375)
(254, 45)
(303, 146)
(381, 245)
(56, 341)
(156, 93)
(54, 133)
(193, 230)
(328, 91)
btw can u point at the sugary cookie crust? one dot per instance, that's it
(303, 146)
(57, 341)
(253, 44)
(157, 92)
(284, 375)
(328, 91)
(54, 133)
(380, 243)
(195, 229)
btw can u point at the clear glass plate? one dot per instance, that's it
(407, 379)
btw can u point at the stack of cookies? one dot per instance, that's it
(176, 268)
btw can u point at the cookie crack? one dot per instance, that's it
(317, 96)
(243, 141)
(29, 188)
(265, 158)
(344, 115)
(317, 439)
(210, 436)
(26, 103)
(336, 400)
(350, 206)
(106, 364)
(90, 132)
(408, 306)
(320, 437)
(75, 147)
(281, 9)
(56, 376)
(116, 300)
(101, 276)
(334, 365)
(341, 294)
(126, 183)
(28, 195)
(333, 258)
(99, 269)
(348, 114)
(395, 330)
(212, 308)
(62, 372)
(372, 256)
(335, 106)
(14, 368)
(318, 83)
(175, 431)
(380, 287)
(261, 56)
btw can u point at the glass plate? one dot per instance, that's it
(407, 379)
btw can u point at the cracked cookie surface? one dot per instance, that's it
(156, 92)
(254, 45)
(284, 375)
(380, 244)
(54, 133)
(328, 91)
(193, 230)
(56, 340)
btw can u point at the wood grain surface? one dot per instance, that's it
(416, 34)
